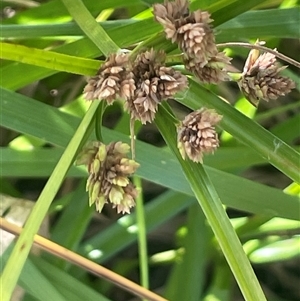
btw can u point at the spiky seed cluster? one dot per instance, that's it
(190, 30)
(143, 83)
(114, 79)
(213, 72)
(261, 78)
(196, 134)
(154, 82)
(194, 35)
(171, 15)
(109, 169)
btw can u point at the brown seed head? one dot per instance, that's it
(154, 82)
(113, 80)
(213, 72)
(261, 78)
(109, 169)
(190, 30)
(196, 134)
(198, 42)
(127, 200)
(171, 14)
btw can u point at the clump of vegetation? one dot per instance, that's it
(182, 117)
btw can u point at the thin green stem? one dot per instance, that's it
(142, 235)
(105, 14)
(98, 124)
(213, 209)
(221, 281)
(156, 38)
(90, 27)
(98, 36)
(132, 138)
(253, 223)
(23, 245)
(174, 59)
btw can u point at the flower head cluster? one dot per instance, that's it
(213, 72)
(143, 83)
(196, 134)
(114, 79)
(194, 35)
(261, 78)
(154, 82)
(109, 169)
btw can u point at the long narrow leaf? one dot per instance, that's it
(55, 10)
(157, 165)
(280, 23)
(193, 262)
(212, 207)
(90, 27)
(275, 23)
(40, 162)
(270, 147)
(48, 59)
(35, 283)
(70, 287)
(25, 31)
(123, 233)
(20, 252)
(125, 35)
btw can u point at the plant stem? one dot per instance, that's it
(150, 42)
(212, 207)
(98, 122)
(263, 48)
(142, 235)
(132, 138)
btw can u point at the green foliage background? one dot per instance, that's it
(254, 173)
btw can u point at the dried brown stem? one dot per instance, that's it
(84, 263)
(263, 48)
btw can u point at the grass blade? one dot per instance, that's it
(213, 209)
(157, 165)
(90, 27)
(21, 250)
(49, 59)
(270, 147)
(193, 263)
